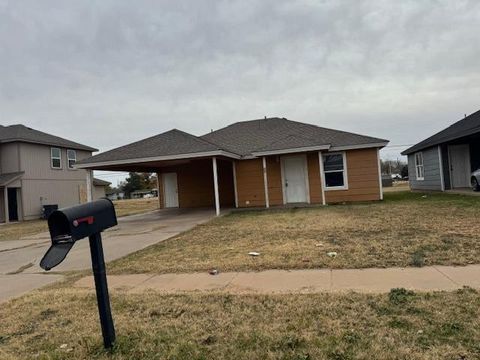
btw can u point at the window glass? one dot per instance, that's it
(333, 168)
(71, 158)
(56, 158)
(419, 168)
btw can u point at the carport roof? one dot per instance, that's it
(470, 125)
(239, 140)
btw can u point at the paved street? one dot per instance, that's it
(20, 272)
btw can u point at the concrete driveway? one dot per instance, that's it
(19, 259)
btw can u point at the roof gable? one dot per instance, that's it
(468, 126)
(21, 133)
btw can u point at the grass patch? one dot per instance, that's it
(135, 206)
(220, 326)
(407, 229)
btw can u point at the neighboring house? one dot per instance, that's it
(38, 169)
(116, 195)
(258, 163)
(99, 188)
(446, 160)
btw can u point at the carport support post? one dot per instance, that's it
(215, 186)
(89, 186)
(98, 267)
(5, 201)
(322, 173)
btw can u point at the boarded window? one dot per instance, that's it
(419, 168)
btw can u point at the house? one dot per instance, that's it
(99, 188)
(257, 163)
(116, 195)
(446, 160)
(38, 169)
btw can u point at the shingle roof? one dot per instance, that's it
(247, 137)
(173, 142)
(465, 127)
(22, 133)
(242, 139)
(98, 182)
(7, 178)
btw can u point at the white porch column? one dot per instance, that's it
(234, 165)
(5, 202)
(89, 185)
(215, 186)
(158, 191)
(380, 174)
(322, 179)
(265, 182)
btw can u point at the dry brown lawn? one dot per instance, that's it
(15, 231)
(407, 229)
(63, 324)
(135, 206)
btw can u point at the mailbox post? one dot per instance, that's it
(75, 223)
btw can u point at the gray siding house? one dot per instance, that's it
(38, 169)
(446, 160)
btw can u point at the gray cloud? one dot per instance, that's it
(109, 72)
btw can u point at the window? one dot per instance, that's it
(71, 158)
(334, 169)
(419, 168)
(56, 158)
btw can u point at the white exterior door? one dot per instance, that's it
(170, 190)
(460, 165)
(295, 179)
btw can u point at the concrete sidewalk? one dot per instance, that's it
(300, 281)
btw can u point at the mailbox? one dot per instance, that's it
(71, 224)
(75, 223)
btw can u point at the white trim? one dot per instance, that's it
(362, 146)
(291, 150)
(5, 200)
(307, 182)
(345, 172)
(380, 174)
(215, 186)
(68, 159)
(89, 186)
(265, 182)
(322, 179)
(440, 161)
(56, 158)
(159, 158)
(418, 166)
(158, 191)
(234, 166)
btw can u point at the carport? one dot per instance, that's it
(191, 173)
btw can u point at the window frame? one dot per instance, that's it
(68, 159)
(59, 158)
(345, 172)
(419, 166)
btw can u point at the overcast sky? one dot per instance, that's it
(109, 72)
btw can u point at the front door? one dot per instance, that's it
(170, 190)
(12, 204)
(295, 179)
(460, 165)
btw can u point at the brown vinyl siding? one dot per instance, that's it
(363, 178)
(195, 184)
(274, 177)
(314, 178)
(250, 187)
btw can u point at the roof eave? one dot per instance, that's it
(73, 147)
(93, 165)
(290, 150)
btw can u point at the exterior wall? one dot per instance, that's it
(250, 187)
(2, 205)
(314, 179)
(274, 177)
(98, 192)
(9, 158)
(363, 178)
(195, 184)
(431, 163)
(41, 185)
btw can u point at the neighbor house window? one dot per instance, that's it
(56, 158)
(334, 169)
(71, 158)
(419, 168)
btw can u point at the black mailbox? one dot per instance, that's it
(71, 224)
